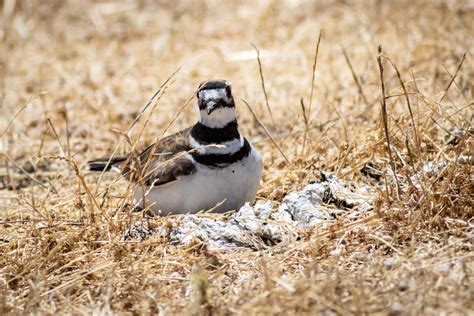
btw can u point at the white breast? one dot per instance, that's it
(227, 188)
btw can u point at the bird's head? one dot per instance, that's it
(216, 103)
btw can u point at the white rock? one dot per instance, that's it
(262, 225)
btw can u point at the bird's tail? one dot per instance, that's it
(103, 164)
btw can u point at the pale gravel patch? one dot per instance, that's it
(263, 225)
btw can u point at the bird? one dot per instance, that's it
(208, 166)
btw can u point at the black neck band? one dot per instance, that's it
(207, 135)
(216, 160)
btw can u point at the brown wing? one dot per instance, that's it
(161, 162)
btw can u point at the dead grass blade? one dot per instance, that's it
(307, 116)
(57, 137)
(383, 104)
(356, 79)
(407, 98)
(267, 131)
(313, 72)
(79, 277)
(15, 116)
(452, 78)
(23, 170)
(263, 83)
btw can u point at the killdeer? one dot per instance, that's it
(207, 166)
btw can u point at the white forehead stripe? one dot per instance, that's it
(213, 94)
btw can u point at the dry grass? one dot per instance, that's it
(74, 76)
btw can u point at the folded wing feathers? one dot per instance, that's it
(158, 164)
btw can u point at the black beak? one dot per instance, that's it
(210, 107)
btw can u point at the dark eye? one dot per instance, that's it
(228, 91)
